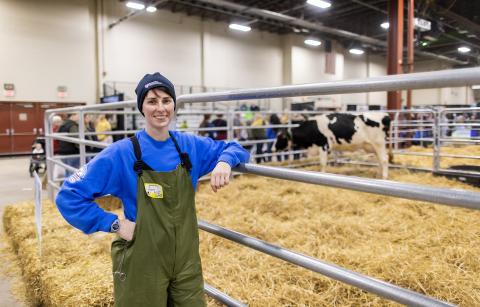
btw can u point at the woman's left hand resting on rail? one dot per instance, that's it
(220, 176)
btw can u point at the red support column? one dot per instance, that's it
(410, 48)
(395, 49)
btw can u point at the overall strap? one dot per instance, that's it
(183, 155)
(139, 166)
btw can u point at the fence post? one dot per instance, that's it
(436, 140)
(81, 136)
(395, 120)
(49, 153)
(230, 135)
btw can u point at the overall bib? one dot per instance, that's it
(161, 265)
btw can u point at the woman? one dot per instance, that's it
(155, 255)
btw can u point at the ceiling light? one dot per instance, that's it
(296, 30)
(464, 49)
(238, 27)
(424, 44)
(135, 5)
(151, 9)
(320, 3)
(385, 25)
(312, 42)
(356, 51)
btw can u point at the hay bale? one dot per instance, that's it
(428, 248)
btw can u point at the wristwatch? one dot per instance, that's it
(115, 226)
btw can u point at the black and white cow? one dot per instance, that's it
(342, 131)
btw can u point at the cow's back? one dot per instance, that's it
(353, 130)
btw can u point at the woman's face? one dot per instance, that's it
(158, 108)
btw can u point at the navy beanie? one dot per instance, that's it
(151, 81)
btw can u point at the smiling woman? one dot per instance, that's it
(155, 174)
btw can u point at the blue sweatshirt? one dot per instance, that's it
(111, 172)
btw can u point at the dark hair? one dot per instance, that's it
(275, 120)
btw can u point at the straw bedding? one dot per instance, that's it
(428, 248)
(445, 162)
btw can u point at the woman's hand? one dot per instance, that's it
(126, 229)
(220, 176)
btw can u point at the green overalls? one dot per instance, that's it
(161, 265)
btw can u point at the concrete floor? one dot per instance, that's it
(15, 186)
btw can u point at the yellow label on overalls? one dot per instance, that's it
(154, 190)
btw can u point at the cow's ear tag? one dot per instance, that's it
(154, 190)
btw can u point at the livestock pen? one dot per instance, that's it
(278, 210)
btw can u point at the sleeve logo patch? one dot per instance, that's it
(154, 190)
(78, 175)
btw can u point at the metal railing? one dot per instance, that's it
(450, 197)
(436, 130)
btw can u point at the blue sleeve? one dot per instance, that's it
(210, 152)
(75, 200)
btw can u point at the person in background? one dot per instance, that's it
(258, 134)
(70, 125)
(103, 125)
(57, 121)
(89, 128)
(272, 135)
(220, 122)
(184, 125)
(206, 124)
(239, 134)
(155, 255)
(37, 162)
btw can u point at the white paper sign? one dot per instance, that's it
(38, 209)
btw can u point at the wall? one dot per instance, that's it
(58, 43)
(45, 45)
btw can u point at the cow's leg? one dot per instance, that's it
(382, 157)
(323, 154)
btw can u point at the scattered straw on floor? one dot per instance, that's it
(445, 162)
(11, 270)
(428, 248)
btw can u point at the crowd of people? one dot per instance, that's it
(248, 126)
(94, 126)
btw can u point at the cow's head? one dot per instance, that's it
(283, 141)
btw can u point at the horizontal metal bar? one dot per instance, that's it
(413, 153)
(256, 141)
(459, 140)
(451, 197)
(369, 284)
(458, 172)
(422, 139)
(454, 110)
(76, 140)
(224, 128)
(422, 80)
(103, 106)
(399, 166)
(60, 163)
(221, 297)
(466, 124)
(266, 126)
(459, 156)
